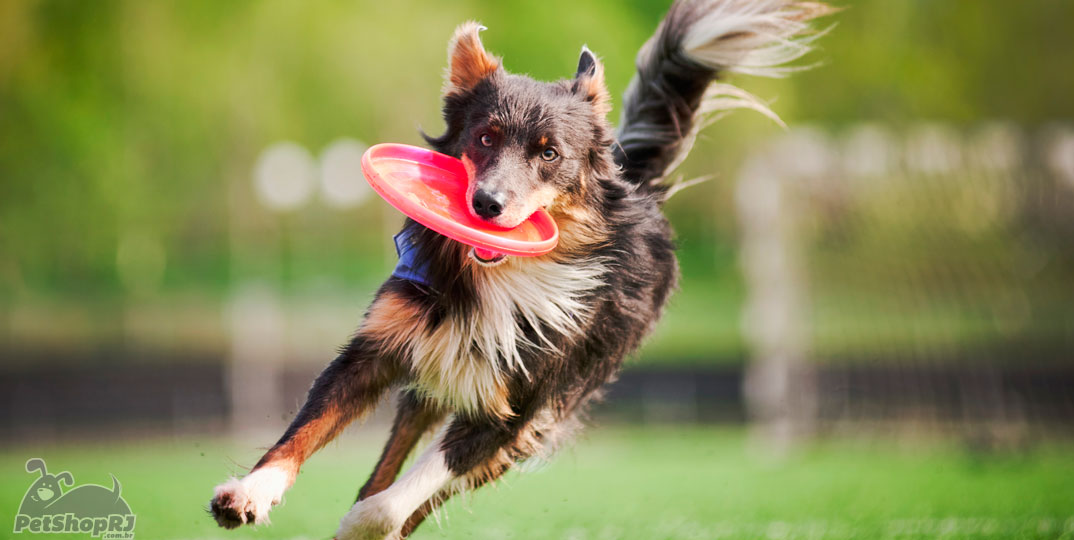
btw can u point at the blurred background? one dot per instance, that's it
(186, 238)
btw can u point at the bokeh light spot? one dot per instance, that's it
(342, 182)
(284, 176)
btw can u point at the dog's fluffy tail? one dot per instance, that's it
(675, 92)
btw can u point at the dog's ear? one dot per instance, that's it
(589, 82)
(468, 61)
(38, 465)
(65, 478)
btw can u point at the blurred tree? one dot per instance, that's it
(128, 119)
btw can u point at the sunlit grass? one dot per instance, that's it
(643, 483)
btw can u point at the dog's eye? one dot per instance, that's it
(549, 154)
(486, 139)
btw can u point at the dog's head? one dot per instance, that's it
(47, 487)
(526, 144)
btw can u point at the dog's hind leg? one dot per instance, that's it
(541, 437)
(413, 418)
(381, 515)
(466, 454)
(419, 515)
(346, 389)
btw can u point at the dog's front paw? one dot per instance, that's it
(370, 519)
(248, 501)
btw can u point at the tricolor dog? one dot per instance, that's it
(499, 357)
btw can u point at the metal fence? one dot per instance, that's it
(923, 276)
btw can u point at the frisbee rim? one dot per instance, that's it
(423, 158)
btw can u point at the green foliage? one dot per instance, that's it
(123, 119)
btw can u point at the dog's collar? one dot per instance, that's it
(409, 266)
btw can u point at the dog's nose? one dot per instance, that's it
(488, 205)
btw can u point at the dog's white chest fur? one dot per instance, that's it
(463, 361)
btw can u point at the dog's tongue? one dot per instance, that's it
(487, 256)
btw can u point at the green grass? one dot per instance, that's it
(643, 483)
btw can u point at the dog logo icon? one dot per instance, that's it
(51, 505)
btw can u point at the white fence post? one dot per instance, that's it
(255, 372)
(780, 385)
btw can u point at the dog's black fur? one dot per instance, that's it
(514, 349)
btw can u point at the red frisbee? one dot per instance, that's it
(430, 187)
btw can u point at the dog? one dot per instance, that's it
(45, 490)
(46, 499)
(505, 353)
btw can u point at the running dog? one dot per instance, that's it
(504, 354)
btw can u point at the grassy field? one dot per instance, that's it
(636, 483)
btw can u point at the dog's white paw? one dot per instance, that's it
(248, 501)
(371, 519)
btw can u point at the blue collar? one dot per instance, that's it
(409, 267)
